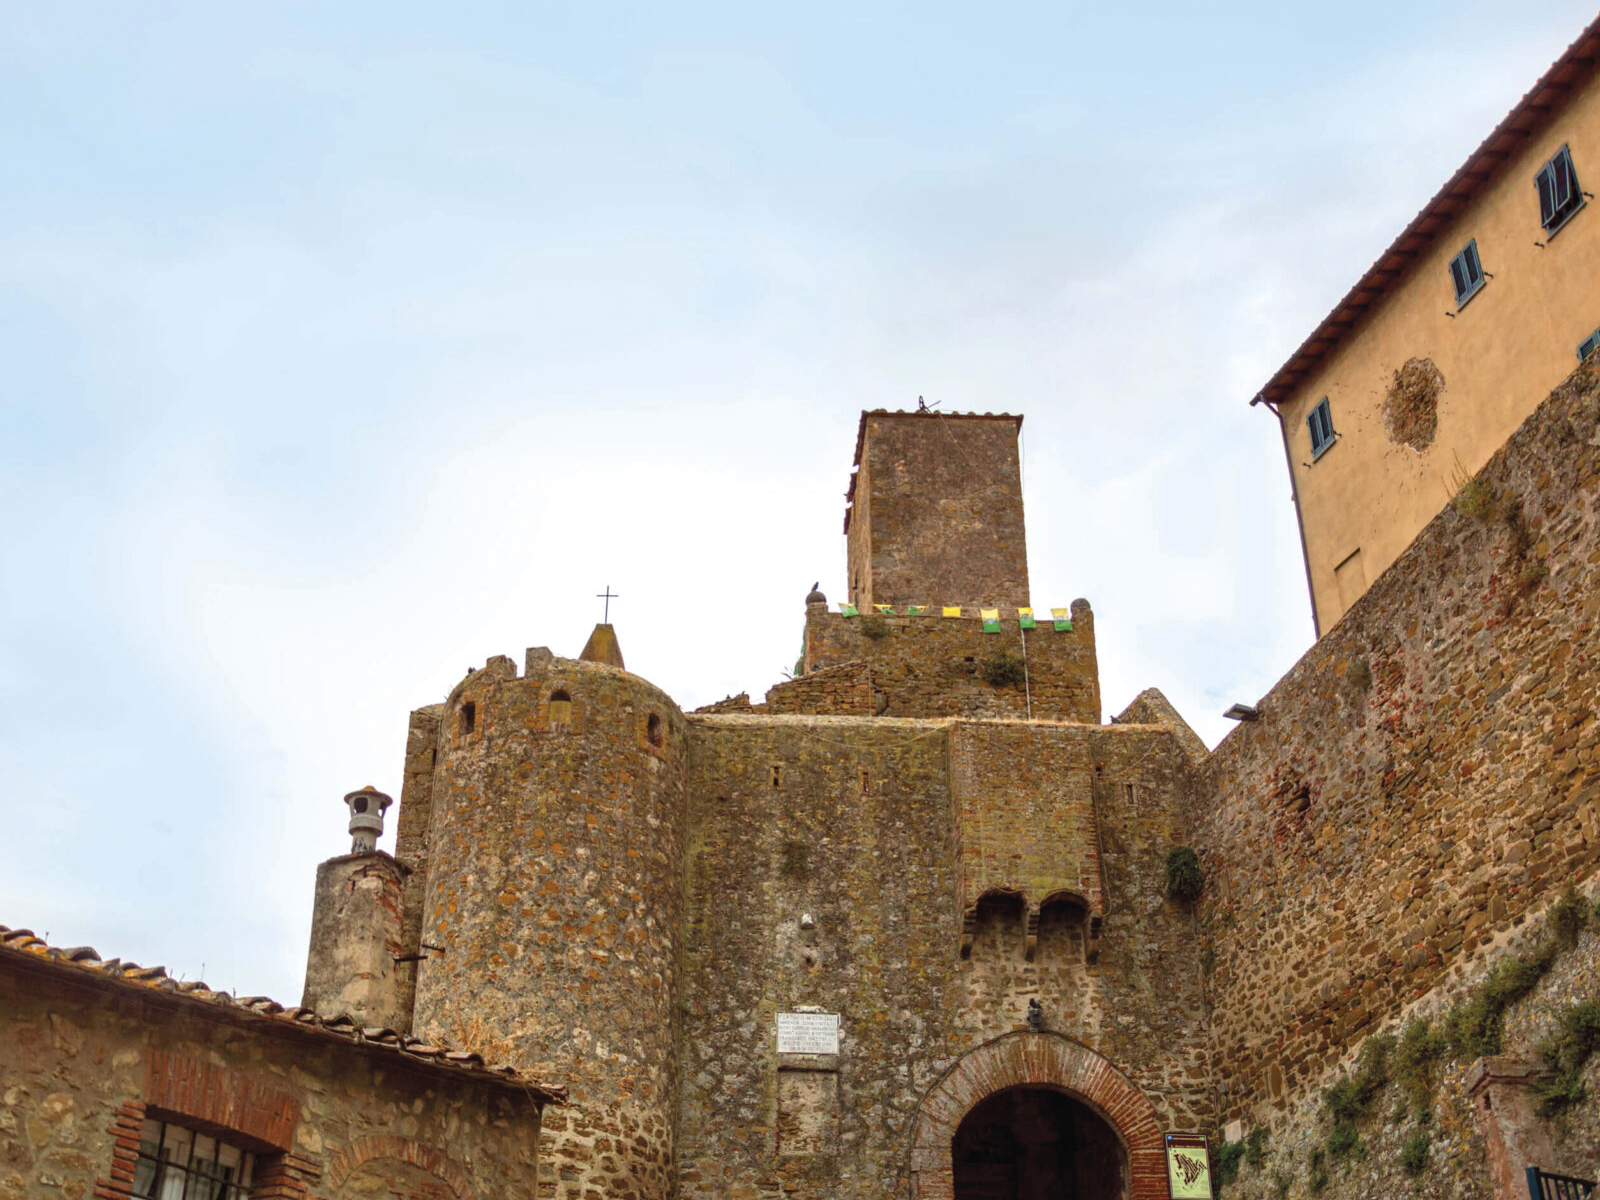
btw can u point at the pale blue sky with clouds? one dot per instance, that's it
(348, 345)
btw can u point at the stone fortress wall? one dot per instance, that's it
(837, 883)
(608, 892)
(553, 902)
(1422, 783)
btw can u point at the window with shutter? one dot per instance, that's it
(1559, 193)
(1320, 422)
(1466, 272)
(1589, 345)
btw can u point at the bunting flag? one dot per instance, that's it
(1025, 618)
(1063, 618)
(951, 612)
(991, 619)
(916, 610)
(847, 610)
(886, 609)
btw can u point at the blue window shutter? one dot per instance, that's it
(1458, 276)
(1547, 199)
(1474, 264)
(1320, 422)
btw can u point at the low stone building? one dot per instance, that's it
(118, 1081)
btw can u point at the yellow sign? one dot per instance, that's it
(1188, 1167)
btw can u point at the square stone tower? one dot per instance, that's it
(935, 511)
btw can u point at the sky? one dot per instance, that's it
(349, 345)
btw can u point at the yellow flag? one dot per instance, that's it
(989, 614)
(952, 612)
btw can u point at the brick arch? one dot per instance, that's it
(1035, 1059)
(424, 1158)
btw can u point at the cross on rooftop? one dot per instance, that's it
(608, 596)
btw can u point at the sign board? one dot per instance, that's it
(808, 1033)
(1188, 1167)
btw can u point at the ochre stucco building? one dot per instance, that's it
(906, 929)
(1447, 342)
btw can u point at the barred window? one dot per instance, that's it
(179, 1164)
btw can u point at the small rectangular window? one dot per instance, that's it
(1320, 422)
(1466, 272)
(1559, 194)
(1589, 345)
(175, 1163)
(469, 717)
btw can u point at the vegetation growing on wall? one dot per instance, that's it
(1473, 1028)
(1185, 879)
(1002, 669)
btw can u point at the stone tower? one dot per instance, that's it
(935, 511)
(548, 926)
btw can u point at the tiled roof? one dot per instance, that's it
(1534, 111)
(342, 1028)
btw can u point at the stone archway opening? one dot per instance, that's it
(1037, 1143)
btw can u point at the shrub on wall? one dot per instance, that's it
(1185, 879)
(1003, 670)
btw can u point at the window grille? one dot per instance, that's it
(178, 1164)
(1466, 272)
(1559, 194)
(1320, 422)
(1589, 345)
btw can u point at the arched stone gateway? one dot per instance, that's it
(1030, 1063)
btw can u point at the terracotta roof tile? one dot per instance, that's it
(1533, 111)
(341, 1027)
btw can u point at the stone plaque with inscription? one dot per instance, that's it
(808, 1033)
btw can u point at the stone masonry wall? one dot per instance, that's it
(555, 898)
(845, 691)
(1422, 779)
(357, 944)
(855, 830)
(929, 665)
(79, 1064)
(1026, 820)
(942, 494)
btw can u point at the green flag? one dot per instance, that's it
(991, 619)
(1025, 618)
(1063, 620)
(847, 610)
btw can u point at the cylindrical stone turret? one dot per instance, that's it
(356, 921)
(554, 896)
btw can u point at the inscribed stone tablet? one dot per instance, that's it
(808, 1033)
